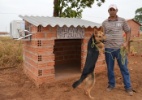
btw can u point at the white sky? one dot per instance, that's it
(11, 9)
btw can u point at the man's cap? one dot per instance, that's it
(113, 6)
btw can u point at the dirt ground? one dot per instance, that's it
(15, 85)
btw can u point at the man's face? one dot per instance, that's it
(112, 12)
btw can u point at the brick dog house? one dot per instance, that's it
(57, 47)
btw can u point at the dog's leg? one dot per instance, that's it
(90, 81)
(78, 82)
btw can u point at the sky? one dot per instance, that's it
(11, 9)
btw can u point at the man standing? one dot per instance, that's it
(113, 29)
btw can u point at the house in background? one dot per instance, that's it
(135, 27)
(4, 34)
(141, 26)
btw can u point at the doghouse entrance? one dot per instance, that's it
(67, 57)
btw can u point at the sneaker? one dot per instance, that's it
(109, 88)
(129, 91)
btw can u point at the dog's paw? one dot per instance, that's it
(75, 84)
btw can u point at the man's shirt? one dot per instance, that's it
(114, 29)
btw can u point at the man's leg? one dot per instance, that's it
(124, 70)
(125, 73)
(109, 57)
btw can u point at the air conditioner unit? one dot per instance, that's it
(17, 30)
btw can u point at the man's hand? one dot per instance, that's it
(125, 45)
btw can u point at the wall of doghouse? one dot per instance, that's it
(67, 51)
(38, 54)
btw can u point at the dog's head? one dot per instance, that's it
(99, 35)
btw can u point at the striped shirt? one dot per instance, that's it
(113, 29)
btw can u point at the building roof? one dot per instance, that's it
(53, 21)
(135, 21)
(3, 33)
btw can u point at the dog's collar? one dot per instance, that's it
(97, 42)
(94, 43)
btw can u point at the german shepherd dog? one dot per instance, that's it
(91, 59)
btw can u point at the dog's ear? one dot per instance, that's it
(95, 31)
(100, 29)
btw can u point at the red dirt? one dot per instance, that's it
(15, 85)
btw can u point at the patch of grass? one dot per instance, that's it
(137, 44)
(10, 52)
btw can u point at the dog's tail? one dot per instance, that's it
(76, 83)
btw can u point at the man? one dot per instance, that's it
(113, 29)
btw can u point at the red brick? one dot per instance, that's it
(59, 53)
(134, 27)
(30, 75)
(84, 48)
(51, 63)
(38, 35)
(48, 57)
(30, 43)
(47, 29)
(54, 29)
(87, 35)
(85, 41)
(30, 55)
(44, 49)
(47, 42)
(51, 35)
(48, 71)
(33, 28)
(59, 58)
(58, 49)
(59, 62)
(46, 79)
(84, 54)
(31, 68)
(42, 65)
(29, 48)
(31, 61)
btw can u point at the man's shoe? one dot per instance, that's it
(109, 88)
(129, 91)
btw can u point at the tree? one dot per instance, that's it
(72, 8)
(138, 15)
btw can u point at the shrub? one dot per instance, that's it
(10, 52)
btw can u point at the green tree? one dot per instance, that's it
(138, 15)
(72, 8)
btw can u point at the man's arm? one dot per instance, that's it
(128, 36)
(126, 44)
(127, 31)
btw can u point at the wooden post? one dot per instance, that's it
(129, 44)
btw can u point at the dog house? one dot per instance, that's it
(54, 47)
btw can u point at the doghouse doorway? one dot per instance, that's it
(67, 57)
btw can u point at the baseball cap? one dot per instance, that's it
(113, 6)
